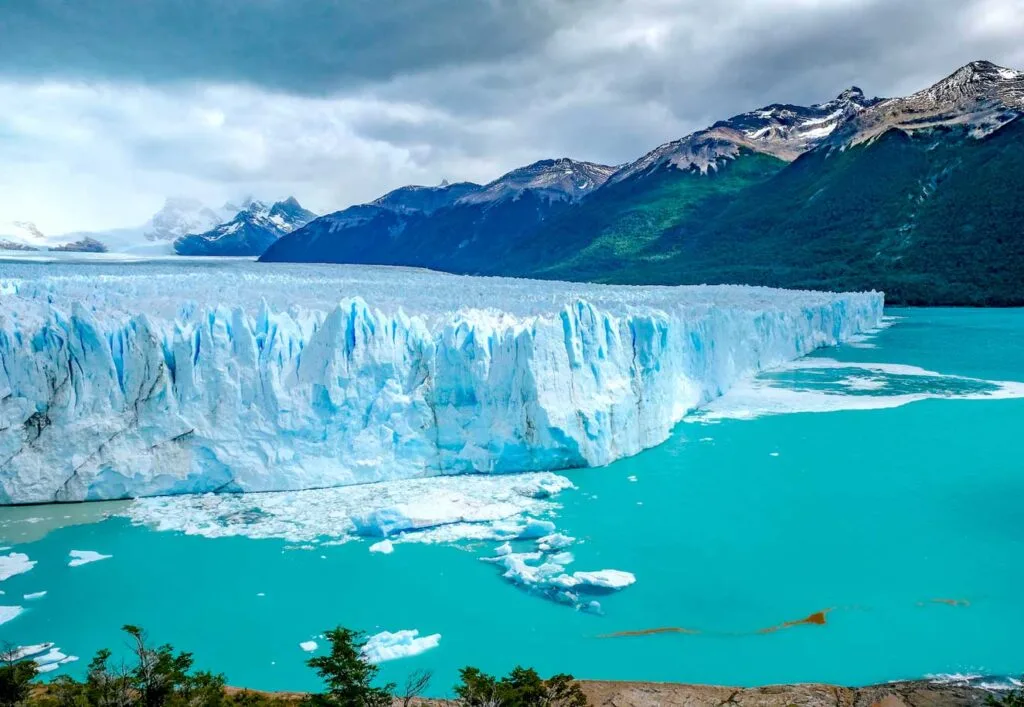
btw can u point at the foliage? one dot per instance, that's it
(161, 677)
(522, 687)
(15, 681)
(348, 675)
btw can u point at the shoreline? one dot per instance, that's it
(614, 693)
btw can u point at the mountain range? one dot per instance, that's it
(252, 230)
(915, 195)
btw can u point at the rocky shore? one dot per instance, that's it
(605, 693)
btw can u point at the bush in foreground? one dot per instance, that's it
(161, 677)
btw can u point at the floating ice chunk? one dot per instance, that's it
(48, 668)
(535, 529)
(773, 454)
(604, 579)
(555, 541)
(504, 549)
(34, 595)
(400, 644)
(9, 612)
(84, 557)
(69, 659)
(308, 646)
(13, 564)
(22, 652)
(631, 478)
(385, 547)
(51, 656)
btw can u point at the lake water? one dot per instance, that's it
(885, 497)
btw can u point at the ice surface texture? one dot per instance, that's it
(146, 379)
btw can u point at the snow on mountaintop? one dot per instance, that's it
(560, 179)
(781, 130)
(26, 236)
(250, 232)
(981, 96)
(181, 216)
(426, 200)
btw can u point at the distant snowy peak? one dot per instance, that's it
(181, 216)
(26, 236)
(418, 199)
(981, 96)
(560, 179)
(250, 232)
(781, 130)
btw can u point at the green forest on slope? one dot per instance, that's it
(931, 218)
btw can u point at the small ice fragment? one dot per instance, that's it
(34, 595)
(504, 549)
(51, 656)
(773, 454)
(308, 646)
(384, 547)
(84, 557)
(707, 439)
(9, 612)
(260, 594)
(535, 529)
(14, 563)
(555, 541)
(631, 477)
(400, 644)
(47, 668)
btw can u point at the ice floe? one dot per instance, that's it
(826, 385)
(9, 612)
(14, 563)
(34, 595)
(384, 547)
(22, 652)
(84, 557)
(544, 573)
(386, 645)
(308, 646)
(430, 510)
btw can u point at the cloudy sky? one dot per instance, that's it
(108, 106)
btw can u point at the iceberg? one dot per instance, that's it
(384, 547)
(400, 644)
(130, 380)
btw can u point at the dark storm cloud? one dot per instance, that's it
(301, 46)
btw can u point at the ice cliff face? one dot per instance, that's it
(117, 382)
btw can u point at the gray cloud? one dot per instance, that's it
(338, 101)
(303, 46)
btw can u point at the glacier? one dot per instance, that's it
(144, 379)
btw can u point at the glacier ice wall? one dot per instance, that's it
(150, 379)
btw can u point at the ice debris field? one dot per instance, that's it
(144, 379)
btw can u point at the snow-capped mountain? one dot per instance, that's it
(980, 96)
(26, 236)
(250, 232)
(781, 130)
(183, 216)
(425, 199)
(560, 179)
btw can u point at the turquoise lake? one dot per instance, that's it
(902, 524)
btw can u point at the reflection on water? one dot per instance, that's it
(26, 524)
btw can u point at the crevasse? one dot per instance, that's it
(123, 386)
